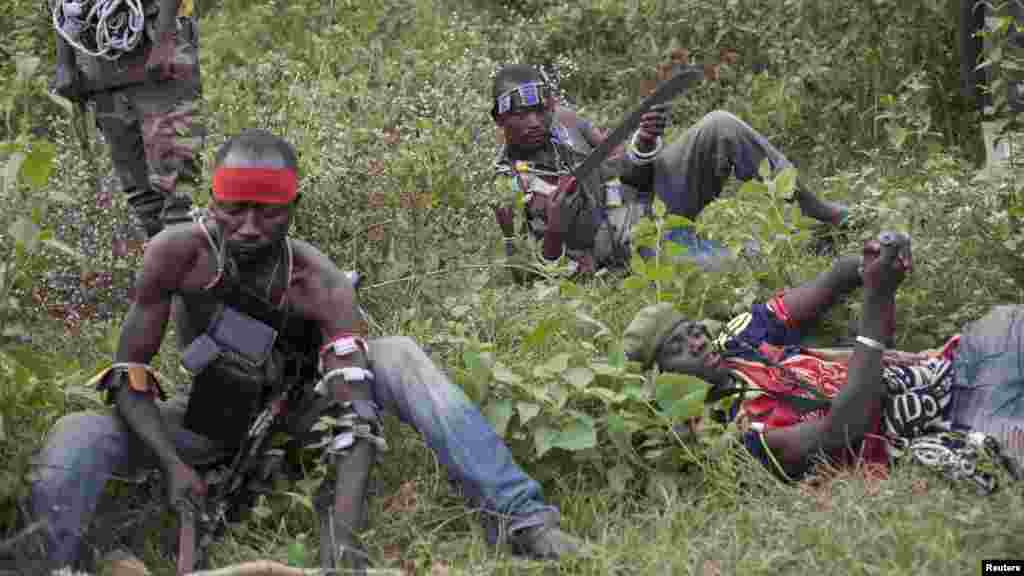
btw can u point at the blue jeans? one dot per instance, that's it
(85, 449)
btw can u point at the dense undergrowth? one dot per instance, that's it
(386, 101)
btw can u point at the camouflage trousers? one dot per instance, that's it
(155, 135)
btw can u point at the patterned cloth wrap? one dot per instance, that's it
(917, 425)
(915, 421)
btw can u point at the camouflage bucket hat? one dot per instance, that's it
(648, 330)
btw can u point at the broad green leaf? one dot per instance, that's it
(604, 369)
(60, 196)
(11, 170)
(638, 266)
(663, 273)
(689, 406)
(674, 250)
(671, 388)
(617, 356)
(579, 435)
(619, 477)
(591, 321)
(24, 232)
(543, 437)
(499, 413)
(62, 247)
(659, 208)
(26, 66)
(504, 375)
(538, 335)
(752, 188)
(897, 135)
(608, 396)
(785, 182)
(635, 283)
(765, 169)
(471, 359)
(557, 364)
(558, 393)
(39, 163)
(527, 411)
(677, 221)
(66, 105)
(579, 377)
(621, 433)
(297, 552)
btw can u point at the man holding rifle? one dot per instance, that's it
(270, 330)
(138, 61)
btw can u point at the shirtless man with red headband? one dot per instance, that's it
(257, 312)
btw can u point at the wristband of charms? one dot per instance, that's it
(343, 345)
(360, 419)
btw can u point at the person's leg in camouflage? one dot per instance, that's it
(121, 126)
(155, 137)
(172, 131)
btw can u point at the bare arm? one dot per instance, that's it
(322, 293)
(855, 407)
(858, 404)
(141, 335)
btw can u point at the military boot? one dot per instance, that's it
(544, 541)
(177, 209)
(147, 206)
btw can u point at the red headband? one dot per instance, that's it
(258, 185)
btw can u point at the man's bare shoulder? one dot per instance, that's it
(312, 262)
(174, 257)
(319, 290)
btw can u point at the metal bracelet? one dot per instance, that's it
(871, 343)
(641, 158)
(351, 374)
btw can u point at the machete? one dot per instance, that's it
(670, 89)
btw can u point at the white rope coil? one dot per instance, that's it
(100, 28)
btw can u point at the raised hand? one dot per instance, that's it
(887, 260)
(652, 126)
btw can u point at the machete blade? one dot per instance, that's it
(186, 541)
(667, 91)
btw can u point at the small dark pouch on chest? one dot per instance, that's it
(235, 367)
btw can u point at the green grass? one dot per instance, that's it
(386, 102)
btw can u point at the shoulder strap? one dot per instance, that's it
(213, 237)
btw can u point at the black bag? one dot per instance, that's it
(235, 367)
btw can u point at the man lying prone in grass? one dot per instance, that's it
(954, 409)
